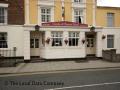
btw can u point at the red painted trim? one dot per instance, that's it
(64, 23)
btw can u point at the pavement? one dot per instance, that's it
(53, 66)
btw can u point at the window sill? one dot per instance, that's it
(65, 47)
(73, 47)
(4, 48)
(3, 5)
(110, 48)
(57, 47)
(2, 24)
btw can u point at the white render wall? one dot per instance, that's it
(116, 33)
(15, 37)
(65, 51)
(19, 36)
(26, 43)
(99, 44)
(79, 52)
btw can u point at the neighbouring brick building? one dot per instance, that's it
(14, 11)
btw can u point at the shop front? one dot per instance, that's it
(63, 41)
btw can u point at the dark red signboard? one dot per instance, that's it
(64, 23)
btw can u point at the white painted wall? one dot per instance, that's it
(15, 37)
(26, 43)
(99, 44)
(64, 51)
(112, 31)
(19, 36)
(80, 51)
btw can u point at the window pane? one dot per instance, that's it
(42, 10)
(78, 1)
(45, 15)
(2, 15)
(70, 42)
(110, 19)
(48, 11)
(76, 41)
(31, 43)
(57, 42)
(73, 42)
(3, 40)
(110, 41)
(73, 38)
(78, 14)
(36, 43)
(57, 39)
(43, 18)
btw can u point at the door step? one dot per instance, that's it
(36, 59)
(92, 57)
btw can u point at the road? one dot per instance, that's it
(79, 80)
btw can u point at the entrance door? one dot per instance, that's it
(35, 44)
(90, 45)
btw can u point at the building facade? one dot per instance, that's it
(60, 29)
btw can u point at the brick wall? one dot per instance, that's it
(15, 11)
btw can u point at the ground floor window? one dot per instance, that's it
(73, 38)
(57, 38)
(34, 43)
(3, 40)
(110, 41)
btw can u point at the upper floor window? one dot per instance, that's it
(78, 1)
(3, 15)
(57, 38)
(110, 19)
(78, 15)
(73, 38)
(3, 40)
(110, 41)
(45, 14)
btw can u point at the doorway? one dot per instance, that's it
(90, 43)
(35, 44)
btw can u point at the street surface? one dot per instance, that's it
(79, 80)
